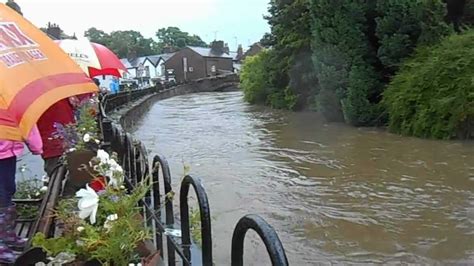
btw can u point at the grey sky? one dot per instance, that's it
(236, 21)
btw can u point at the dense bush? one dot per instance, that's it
(433, 94)
(254, 78)
(359, 45)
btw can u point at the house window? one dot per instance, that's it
(213, 69)
(185, 64)
(147, 71)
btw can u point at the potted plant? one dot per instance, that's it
(96, 219)
(81, 140)
(29, 193)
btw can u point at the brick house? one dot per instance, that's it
(192, 63)
(253, 50)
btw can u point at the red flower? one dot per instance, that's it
(98, 184)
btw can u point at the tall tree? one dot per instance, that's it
(97, 36)
(292, 80)
(175, 38)
(124, 43)
(358, 46)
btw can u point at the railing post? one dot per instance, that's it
(169, 213)
(155, 173)
(267, 234)
(206, 233)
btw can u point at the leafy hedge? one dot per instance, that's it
(254, 78)
(433, 94)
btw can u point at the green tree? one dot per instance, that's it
(344, 59)
(175, 38)
(405, 24)
(359, 45)
(97, 36)
(433, 94)
(255, 79)
(124, 43)
(290, 72)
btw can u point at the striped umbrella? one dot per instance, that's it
(94, 59)
(34, 74)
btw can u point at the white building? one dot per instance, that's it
(145, 70)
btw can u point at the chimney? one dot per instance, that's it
(54, 31)
(168, 49)
(11, 4)
(226, 48)
(217, 47)
(240, 52)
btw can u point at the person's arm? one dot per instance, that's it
(34, 141)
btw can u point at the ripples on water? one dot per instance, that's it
(334, 193)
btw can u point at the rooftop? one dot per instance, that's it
(140, 60)
(207, 52)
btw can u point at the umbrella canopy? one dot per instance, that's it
(94, 59)
(34, 74)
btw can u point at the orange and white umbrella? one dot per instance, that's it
(94, 59)
(34, 74)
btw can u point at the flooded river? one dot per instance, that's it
(334, 193)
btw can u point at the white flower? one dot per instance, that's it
(114, 166)
(97, 141)
(109, 220)
(80, 229)
(103, 156)
(114, 173)
(88, 203)
(45, 179)
(44, 189)
(72, 149)
(87, 137)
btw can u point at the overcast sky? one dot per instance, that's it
(234, 21)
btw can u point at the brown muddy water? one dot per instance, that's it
(334, 193)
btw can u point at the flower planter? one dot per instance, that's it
(37, 256)
(78, 177)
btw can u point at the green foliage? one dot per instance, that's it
(195, 226)
(285, 77)
(175, 38)
(254, 78)
(359, 45)
(343, 56)
(132, 43)
(104, 243)
(103, 221)
(433, 94)
(28, 187)
(404, 24)
(124, 43)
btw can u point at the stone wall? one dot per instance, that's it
(132, 113)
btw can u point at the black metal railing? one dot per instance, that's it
(205, 214)
(267, 234)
